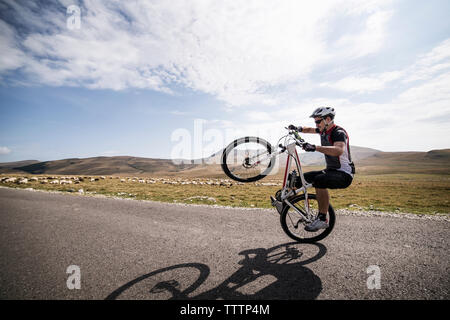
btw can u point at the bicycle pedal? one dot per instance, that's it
(277, 204)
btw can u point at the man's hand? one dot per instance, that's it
(309, 147)
(292, 127)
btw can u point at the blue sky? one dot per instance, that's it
(175, 79)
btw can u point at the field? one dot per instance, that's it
(414, 193)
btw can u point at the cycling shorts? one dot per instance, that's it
(329, 179)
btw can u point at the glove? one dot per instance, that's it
(308, 147)
(292, 127)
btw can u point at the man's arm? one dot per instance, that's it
(303, 129)
(336, 150)
(309, 130)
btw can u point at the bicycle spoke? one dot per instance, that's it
(248, 160)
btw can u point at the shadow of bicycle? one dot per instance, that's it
(274, 273)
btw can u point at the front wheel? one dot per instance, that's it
(247, 159)
(294, 225)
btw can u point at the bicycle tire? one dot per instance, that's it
(160, 284)
(315, 236)
(233, 146)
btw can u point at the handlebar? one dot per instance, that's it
(299, 141)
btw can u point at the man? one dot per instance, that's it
(340, 168)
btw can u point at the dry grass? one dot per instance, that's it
(416, 193)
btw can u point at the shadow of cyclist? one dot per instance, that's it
(276, 273)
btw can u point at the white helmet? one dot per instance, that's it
(323, 112)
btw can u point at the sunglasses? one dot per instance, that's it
(318, 121)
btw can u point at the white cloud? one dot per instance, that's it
(12, 57)
(179, 113)
(4, 150)
(364, 84)
(257, 116)
(230, 50)
(428, 66)
(415, 119)
(436, 55)
(431, 63)
(435, 92)
(252, 53)
(369, 40)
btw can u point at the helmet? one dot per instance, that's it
(323, 112)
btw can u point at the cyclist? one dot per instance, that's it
(340, 168)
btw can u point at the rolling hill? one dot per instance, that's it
(434, 161)
(368, 161)
(15, 164)
(98, 166)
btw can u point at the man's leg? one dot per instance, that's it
(319, 180)
(310, 176)
(333, 180)
(323, 198)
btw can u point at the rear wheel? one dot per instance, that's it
(171, 283)
(247, 159)
(294, 225)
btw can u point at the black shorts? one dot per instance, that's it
(329, 179)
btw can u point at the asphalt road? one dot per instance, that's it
(128, 249)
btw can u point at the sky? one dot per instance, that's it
(182, 79)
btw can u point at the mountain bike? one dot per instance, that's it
(250, 159)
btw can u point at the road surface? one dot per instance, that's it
(129, 249)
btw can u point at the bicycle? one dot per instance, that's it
(250, 159)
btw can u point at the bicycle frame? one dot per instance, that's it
(287, 191)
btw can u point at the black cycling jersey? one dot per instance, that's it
(343, 162)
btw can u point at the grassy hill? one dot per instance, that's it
(10, 165)
(99, 166)
(432, 162)
(368, 161)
